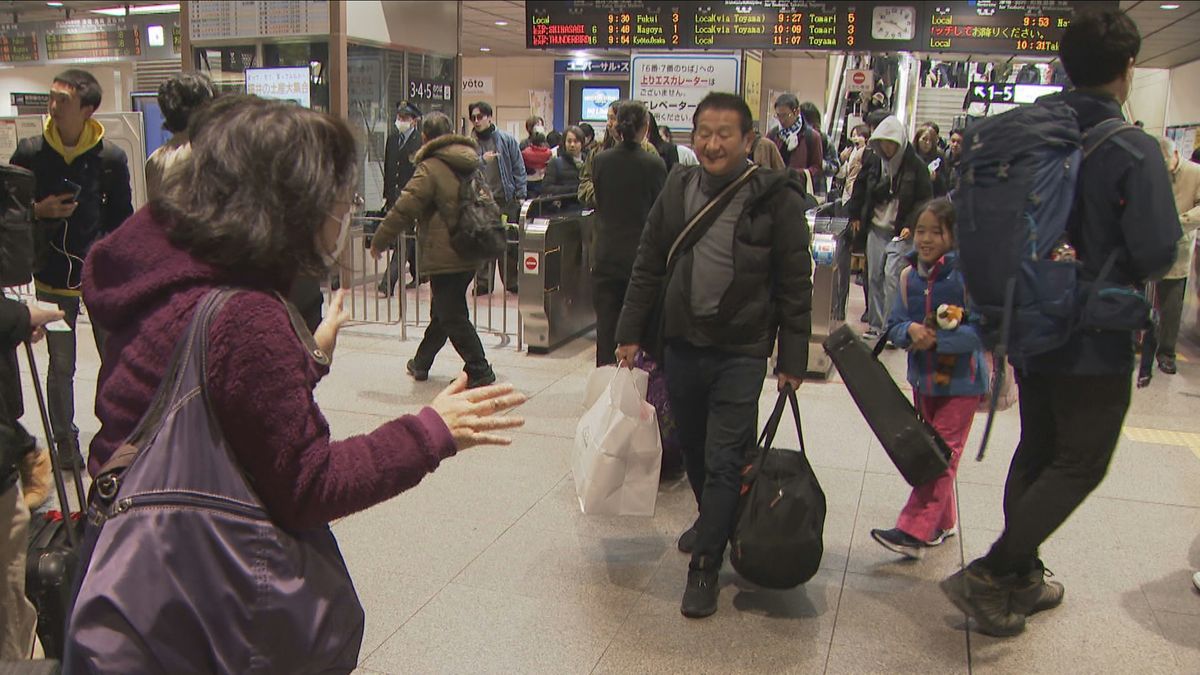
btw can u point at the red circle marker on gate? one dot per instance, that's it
(859, 77)
(531, 262)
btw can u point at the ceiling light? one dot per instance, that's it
(138, 9)
(501, 23)
(1169, 5)
(54, 4)
(485, 49)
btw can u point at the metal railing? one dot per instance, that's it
(361, 275)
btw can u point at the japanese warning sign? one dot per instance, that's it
(671, 86)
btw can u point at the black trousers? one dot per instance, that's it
(714, 396)
(1070, 425)
(450, 320)
(608, 295)
(508, 263)
(391, 276)
(1170, 308)
(60, 378)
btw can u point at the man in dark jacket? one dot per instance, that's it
(738, 280)
(403, 142)
(892, 184)
(1074, 399)
(799, 143)
(83, 194)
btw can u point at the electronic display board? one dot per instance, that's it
(18, 47)
(725, 24)
(1001, 26)
(96, 43)
(970, 26)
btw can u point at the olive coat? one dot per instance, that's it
(429, 202)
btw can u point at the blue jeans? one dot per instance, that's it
(896, 259)
(877, 246)
(714, 395)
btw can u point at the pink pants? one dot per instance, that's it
(931, 507)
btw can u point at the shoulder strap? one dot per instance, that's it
(722, 198)
(1104, 131)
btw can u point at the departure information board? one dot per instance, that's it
(1002, 26)
(763, 24)
(971, 26)
(18, 47)
(97, 43)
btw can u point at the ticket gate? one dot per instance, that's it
(555, 292)
(826, 232)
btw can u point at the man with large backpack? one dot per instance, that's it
(1038, 246)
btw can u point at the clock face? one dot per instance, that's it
(893, 23)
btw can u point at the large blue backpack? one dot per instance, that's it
(1015, 200)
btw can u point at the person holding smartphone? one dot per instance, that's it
(83, 193)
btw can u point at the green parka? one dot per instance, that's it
(430, 203)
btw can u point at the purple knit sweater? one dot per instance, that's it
(143, 290)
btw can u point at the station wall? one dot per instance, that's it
(116, 81)
(1148, 98)
(1183, 105)
(416, 24)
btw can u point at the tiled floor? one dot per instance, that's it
(488, 566)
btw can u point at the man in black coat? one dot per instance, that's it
(740, 280)
(83, 193)
(403, 141)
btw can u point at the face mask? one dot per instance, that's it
(539, 129)
(330, 258)
(403, 126)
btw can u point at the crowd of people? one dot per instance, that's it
(701, 263)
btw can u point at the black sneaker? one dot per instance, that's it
(700, 595)
(898, 541)
(481, 380)
(984, 597)
(687, 540)
(1167, 365)
(941, 536)
(1036, 593)
(417, 374)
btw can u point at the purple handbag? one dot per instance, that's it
(183, 570)
(658, 396)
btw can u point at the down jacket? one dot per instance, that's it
(430, 202)
(771, 291)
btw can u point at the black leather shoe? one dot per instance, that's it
(1167, 365)
(482, 379)
(687, 540)
(985, 598)
(1036, 593)
(700, 595)
(417, 374)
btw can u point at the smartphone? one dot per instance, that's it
(70, 187)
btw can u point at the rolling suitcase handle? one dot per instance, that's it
(64, 503)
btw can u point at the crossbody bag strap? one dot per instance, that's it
(712, 203)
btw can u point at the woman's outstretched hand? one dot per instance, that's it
(472, 415)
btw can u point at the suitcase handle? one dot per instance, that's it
(55, 461)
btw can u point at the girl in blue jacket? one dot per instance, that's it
(946, 367)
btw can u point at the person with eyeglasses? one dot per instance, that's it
(798, 143)
(504, 169)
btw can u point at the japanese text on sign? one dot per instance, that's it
(672, 86)
(287, 84)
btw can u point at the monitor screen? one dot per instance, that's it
(284, 84)
(596, 101)
(152, 121)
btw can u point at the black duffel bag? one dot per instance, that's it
(16, 225)
(777, 541)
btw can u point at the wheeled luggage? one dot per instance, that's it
(52, 559)
(913, 445)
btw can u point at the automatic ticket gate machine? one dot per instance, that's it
(555, 291)
(826, 234)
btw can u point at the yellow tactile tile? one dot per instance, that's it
(1186, 439)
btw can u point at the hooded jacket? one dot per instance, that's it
(958, 356)
(903, 177)
(1123, 202)
(105, 199)
(260, 375)
(770, 294)
(430, 200)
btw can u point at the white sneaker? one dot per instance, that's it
(1196, 580)
(941, 535)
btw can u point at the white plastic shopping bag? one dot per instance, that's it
(597, 382)
(618, 450)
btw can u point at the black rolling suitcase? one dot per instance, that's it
(914, 447)
(52, 559)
